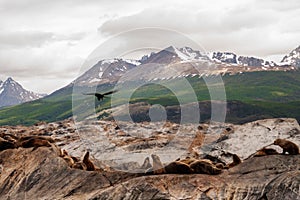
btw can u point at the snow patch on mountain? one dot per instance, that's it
(188, 54)
(133, 62)
(109, 61)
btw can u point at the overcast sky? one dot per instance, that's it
(43, 43)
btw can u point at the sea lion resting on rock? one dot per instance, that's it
(204, 167)
(9, 137)
(64, 154)
(4, 144)
(287, 146)
(189, 160)
(146, 164)
(88, 163)
(158, 167)
(73, 162)
(79, 165)
(185, 166)
(236, 160)
(48, 138)
(34, 143)
(177, 167)
(265, 151)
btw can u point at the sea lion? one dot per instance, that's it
(89, 164)
(214, 159)
(69, 160)
(204, 167)
(64, 154)
(9, 137)
(146, 164)
(265, 151)
(287, 146)
(177, 167)
(75, 158)
(34, 143)
(188, 160)
(236, 160)
(158, 167)
(48, 138)
(4, 144)
(197, 142)
(79, 165)
(220, 166)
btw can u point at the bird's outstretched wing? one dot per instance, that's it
(89, 93)
(107, 93)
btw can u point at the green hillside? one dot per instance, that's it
(265, 94)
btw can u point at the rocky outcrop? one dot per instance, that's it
(41, 174)
(119, 149)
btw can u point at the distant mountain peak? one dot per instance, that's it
(224, 57)
(293, 58)
(10, 79)
(12, 93)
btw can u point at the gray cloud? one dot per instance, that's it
(252, 28)
(25, 38)
(34, 38)
(288, 5)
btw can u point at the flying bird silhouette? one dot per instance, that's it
(100, 96)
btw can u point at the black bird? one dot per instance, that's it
(101, 96)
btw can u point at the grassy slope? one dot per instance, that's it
(276, 94)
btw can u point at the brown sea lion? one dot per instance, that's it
(177, 167)
(220, 166)
(69, 160)
(48, 138)
(236, 160)
(79, 165)
(287, 146)
(158, 167)
(265, 151)
(4, 144)
(146, 164)
(88, 163)
(9, 137)
(204, 167)
(34, 143)
(64, 154)
(187, 160)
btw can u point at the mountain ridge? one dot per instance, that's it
(262, 87)
(13, 93)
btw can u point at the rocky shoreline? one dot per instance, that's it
(118, 149)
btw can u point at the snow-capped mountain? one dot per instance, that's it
(173, 62)
(12, 93)
(231, 58)
(106, 71)
(224, 57)
(173, 54)
(292, 58)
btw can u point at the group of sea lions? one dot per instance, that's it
(77, 163)
(205, 166)
(286, 145)
(10, 141)
(187, 165)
